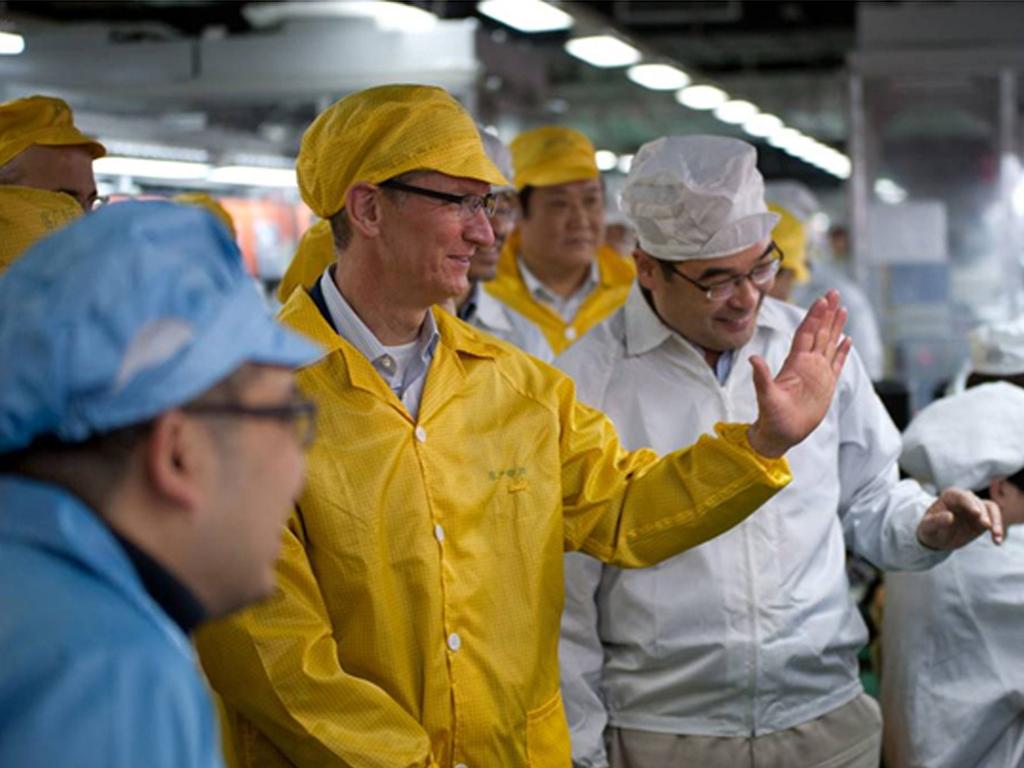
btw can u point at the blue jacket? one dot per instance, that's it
(92, 671)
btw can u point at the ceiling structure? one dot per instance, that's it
(248, 77)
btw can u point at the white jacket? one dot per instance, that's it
(953, 677)
(754, 631)
(493, 316)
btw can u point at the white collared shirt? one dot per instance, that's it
(566, 307)
(404, 367)
(484, 311)
(754, 631)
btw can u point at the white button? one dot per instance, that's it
(439, 532)
(421, 434)
(570, 333)
(454, 641)
(461, 765)
(387, 363)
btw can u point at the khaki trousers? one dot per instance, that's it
(847, 737)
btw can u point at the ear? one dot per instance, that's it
(173, 457)
(646, 267)
(364, 211)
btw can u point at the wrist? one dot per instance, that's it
(764, 444)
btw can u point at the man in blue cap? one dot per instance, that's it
(150, 448)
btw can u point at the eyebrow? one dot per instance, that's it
(722, 272)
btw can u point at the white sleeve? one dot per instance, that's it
(880, 512)
(581, 658)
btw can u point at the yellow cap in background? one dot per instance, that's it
(552, 154)
(791, 236)
(205, 201)
(28, 215)
(40, 120)
(314, 255)
(380, 133)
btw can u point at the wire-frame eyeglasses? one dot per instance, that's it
(469, 205)
(301, 413)
(760, 276)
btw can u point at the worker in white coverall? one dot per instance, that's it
(743, 651)
(952, 681)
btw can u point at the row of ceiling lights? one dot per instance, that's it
(607, 51)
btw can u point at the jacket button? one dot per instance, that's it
(421, 434)
(454, 641)
(570, 333)
(439, 532)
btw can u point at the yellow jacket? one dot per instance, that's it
(314, 254)
(617, 276)
(420, 585)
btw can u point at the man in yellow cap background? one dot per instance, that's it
(28, 215)
(555, 269)
(420, 582)
(790, 236)
(40, 147)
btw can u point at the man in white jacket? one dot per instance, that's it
(952, 682)
(743, 651)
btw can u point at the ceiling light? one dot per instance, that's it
(605, 159)
(170, 170)
(735, 112)
(888, 191)
(625, 163)
(784, 138)
(603, 51)
(389, 16)
(526, 15)
(763, 125)
(658, 77)
(155, 151)
(701, 97)
(254, 176)
(11, 44)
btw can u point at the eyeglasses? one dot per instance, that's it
(301, 413)
(469, 205)
(98, 202)
(722, 290)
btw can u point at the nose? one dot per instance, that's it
(746, 295)
(478, 229)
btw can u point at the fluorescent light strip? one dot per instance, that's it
(658, 77)
(603, 51)
(701, 97)
(11, 44)
(763, 125)
(605, 159)
(735, 111)
(146, 168)
(530, 16)
(155, 151)
(254, 176)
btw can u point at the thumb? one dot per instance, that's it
(762, 376)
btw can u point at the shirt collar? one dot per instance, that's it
(351, 328)
(541, 292)
(468, 310)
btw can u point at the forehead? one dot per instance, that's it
(734, 263)
(570, 188)
(55, 165)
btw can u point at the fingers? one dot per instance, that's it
(842, 352)
(762, 376)
(995, 514)
(804, 338)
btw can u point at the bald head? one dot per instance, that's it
(65, 169)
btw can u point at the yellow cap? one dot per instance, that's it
(380, 133)
(791, 236)
(315, 254)
(552, 154)
(28, 215)
(205, 201)
(40, 120)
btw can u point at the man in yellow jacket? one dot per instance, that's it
(556, 269)
(420, 582)
(41, 148)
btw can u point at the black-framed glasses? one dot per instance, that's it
(469, 205)
(722, 290)
(301, 413)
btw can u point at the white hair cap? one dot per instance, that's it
(795, 196)
(696, 197)
(998, 349)
(498, 154)
(968, 438)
